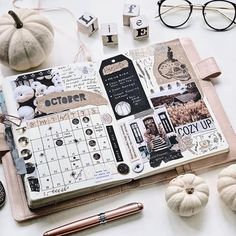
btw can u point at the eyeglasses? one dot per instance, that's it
(218, 14)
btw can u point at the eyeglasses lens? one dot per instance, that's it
(175, 13)
(219, 14)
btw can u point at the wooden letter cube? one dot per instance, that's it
(109, 34)
(130, 10)
(139, 26)
(87, 23)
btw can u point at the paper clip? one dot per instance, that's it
(4, 118)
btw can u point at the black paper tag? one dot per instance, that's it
(123, 86)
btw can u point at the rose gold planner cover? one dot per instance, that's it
(15, 189)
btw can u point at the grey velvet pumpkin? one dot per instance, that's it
(26, 39)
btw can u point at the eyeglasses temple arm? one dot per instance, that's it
(223, 15)
(171, 7)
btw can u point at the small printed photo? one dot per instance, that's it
(184, 103)
(154, 138)
(27, 88)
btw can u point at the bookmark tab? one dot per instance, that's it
(19, 162)
(208, 68)
(3, 147)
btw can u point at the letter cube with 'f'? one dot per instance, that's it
(130, 10)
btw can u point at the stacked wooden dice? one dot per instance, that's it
(138, 24)
(88, 24)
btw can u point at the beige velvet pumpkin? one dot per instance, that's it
(187, 194)
(226, 186)
(26, 39)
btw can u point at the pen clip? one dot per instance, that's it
(129, 204)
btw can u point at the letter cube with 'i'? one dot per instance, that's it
(140, 27)
(130, 10)
(109, 34)
(87, 23)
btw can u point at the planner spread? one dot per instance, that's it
(89, 126)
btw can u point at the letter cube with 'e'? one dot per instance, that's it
(87, 23)
(140, 27)
(109, 34)
(130, 10)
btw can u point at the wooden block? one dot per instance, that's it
(87, 23)
(140, 27)
(109, 34)
(130, 10)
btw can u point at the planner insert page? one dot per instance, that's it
(164, 116)
(66, 150)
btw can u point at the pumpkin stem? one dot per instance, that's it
(18, 22)
(189, 190)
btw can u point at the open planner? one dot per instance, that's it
(88, 126)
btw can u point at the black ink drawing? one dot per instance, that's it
(144, 66)
(172, 68)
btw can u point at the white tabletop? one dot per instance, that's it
(156, 218)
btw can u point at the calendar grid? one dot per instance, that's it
(70, 147)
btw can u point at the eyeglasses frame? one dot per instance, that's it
(202, 7)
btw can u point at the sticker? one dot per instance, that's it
(106, 118)
(60, 101)
(34, 184)
(138, 167)
(172, 68)
(23, 141)
(26, 154)
(152, 138)
(123, 169)
(123, 86)
(28, 87)
(114, 143)
(96, 156)
(102, 175)
(123, 108)
(30, 167)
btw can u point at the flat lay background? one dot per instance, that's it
(156, 218)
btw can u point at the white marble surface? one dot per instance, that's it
(156, 219)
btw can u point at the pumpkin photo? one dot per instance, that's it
(26, 39)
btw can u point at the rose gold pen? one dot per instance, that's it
(95, 220)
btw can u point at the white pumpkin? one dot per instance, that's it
(26, 39)
(187, 194)
(226, 186)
